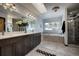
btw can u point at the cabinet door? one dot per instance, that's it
(35, 40)
(39, 38)
(27, 44)
(32, 41)
(6, 50)
(19, 50)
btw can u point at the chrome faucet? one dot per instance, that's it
(2, 32)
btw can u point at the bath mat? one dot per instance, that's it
(45, 53)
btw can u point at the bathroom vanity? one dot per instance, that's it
(18, 44)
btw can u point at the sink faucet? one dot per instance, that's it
(2, 32)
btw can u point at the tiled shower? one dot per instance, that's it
(73, 30)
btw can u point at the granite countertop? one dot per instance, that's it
(14, 34)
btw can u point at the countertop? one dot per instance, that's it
(15, 34)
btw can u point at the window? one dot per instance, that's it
(52, 25)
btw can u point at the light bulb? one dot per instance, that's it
(5, 7)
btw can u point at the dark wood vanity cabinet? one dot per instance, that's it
(6, 50)
(19, 46)
(36, 40)
(28, 44)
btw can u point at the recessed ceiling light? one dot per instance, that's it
(55, 8)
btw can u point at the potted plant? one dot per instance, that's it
(22, 24)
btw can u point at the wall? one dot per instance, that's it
(2, 15)
(37, 27)
(54, 19)
(66, 27)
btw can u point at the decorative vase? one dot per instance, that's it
(22, 27)
(25, 29)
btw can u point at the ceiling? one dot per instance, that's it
(30, 8)
(40, 10)
(51, 13)
(14, 14)
(35, 8)
(22, 9)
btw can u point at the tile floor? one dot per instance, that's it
(56, 48)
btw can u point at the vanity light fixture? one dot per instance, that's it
(30, 16)
(9, 6)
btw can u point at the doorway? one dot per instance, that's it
(2, 24)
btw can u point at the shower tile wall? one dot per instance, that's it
(70, 32)
(77, 30)
(73, 31)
